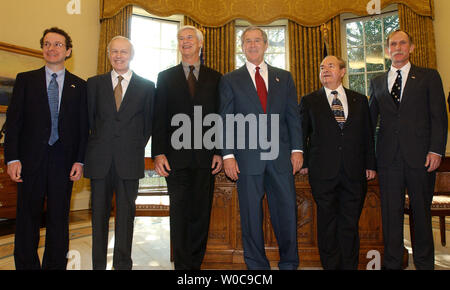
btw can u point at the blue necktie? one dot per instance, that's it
(53, 102)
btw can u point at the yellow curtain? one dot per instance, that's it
(422, 31)
(218, 45)
(306, 51)
(118, 24)
(215, 13)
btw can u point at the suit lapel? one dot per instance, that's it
(127, 98)
(325, 106)
(409, 86)
(42, 87)
(272, 82)
(106, 83)
(201, 80)
(246, 82)
(351, 101)
(180, 80)
(386, 91)
(66, 92)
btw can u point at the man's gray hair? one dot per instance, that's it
(251, 28)
(198, 33)
(124, 38)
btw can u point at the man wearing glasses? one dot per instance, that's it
(46, 134)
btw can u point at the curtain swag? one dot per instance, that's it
(215, 13)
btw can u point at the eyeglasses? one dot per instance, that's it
(56, 44)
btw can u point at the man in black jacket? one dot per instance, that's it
(189, 171)
(408, 102)
(46, 134)
(339, 159)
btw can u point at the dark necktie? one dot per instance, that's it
(118, 93)
(53, 102)
(261, 89)
(191, 81)
(338, 110)
(396, 91)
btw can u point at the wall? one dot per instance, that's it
(27, 19)
(22, 23)
(441, 25)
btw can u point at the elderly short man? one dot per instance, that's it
(340, 158)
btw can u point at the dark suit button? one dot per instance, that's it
(340, 147)
(342, 134)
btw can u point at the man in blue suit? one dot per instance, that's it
(261, 92)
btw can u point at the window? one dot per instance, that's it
(365, 48)
(155, 46)
(276, 53)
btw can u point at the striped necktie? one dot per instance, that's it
(338, 110)
(53, 102)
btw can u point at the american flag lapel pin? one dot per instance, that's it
(72, 86)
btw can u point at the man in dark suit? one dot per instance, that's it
(120, 107)
(261, 93)
(46, 134)
(408, 103)
(189, 171)
(339, 157)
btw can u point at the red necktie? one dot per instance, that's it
(261, 89)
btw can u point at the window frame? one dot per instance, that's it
(240, 23)
(348, 18)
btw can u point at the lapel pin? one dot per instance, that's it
(72, 86)
(413, 77)
(277, 79)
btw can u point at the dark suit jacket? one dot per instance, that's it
(120, 136)
(172, 97)
(419, 125)
(238, 96)
(28, 123)
(327, 147)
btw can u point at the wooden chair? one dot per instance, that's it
(440, 206)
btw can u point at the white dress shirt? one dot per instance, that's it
(392, 76)
(125, 82)
(263, 71)
(341, 96)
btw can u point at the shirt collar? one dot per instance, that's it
(49, 72)
(339, 89)
(126, 76)
(186, 65)
(405, 69)
(251, 67)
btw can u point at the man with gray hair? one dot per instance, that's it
(189, 171)
(120, 109)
